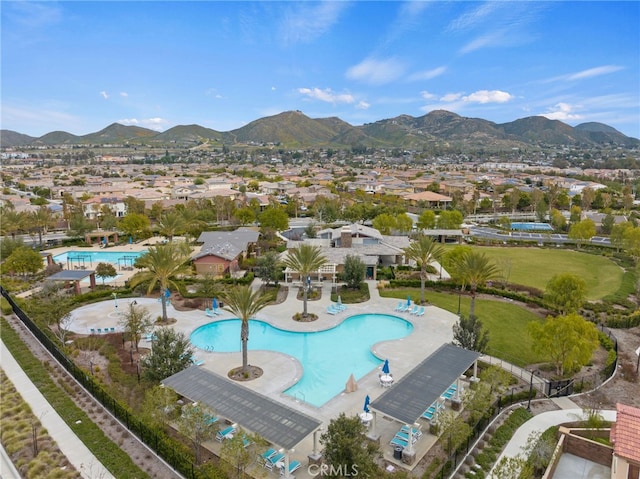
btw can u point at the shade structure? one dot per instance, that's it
(214, 303)
(367, 400)
(385, 367)
(351, 385)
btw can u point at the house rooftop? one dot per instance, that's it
(625, 433)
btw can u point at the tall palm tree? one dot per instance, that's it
(475, 269)
(163, 263)
(423, 250)
(304, 260)
(171, 223)
(245, 303)
(41, 220)
(12, 222)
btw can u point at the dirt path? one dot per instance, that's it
(139, 453)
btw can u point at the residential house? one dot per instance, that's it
(222, 250)
(625, 436)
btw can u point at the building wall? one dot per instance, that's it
(212, 265)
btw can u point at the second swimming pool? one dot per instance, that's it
(327, 357)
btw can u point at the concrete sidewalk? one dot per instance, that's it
(73, 448)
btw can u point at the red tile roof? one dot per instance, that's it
(625, 434)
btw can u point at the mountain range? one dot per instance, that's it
(440, 130)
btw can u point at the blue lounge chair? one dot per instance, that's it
(401, 305)
(404, 308)
(414, 310)
(92, 331)
(420, 311)
(273, 460)
(396, 441)
(209, 313)
(405, 437)
(99, 330)
(293, 466)
(197, 362)
(112, 330)
(415, 432)
(339, 306)
(266, 455)
(226, 433)
(331, 310)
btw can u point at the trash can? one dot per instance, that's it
(397, 453)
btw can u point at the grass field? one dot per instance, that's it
(505, 321)
(535, 267)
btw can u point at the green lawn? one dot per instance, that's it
(535, 267)
(505, 321)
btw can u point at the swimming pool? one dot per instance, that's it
(531, 227)
(90, 258)
(328, 357)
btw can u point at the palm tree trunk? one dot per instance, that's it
(244, 337)
(423, 276)
(164, 307)
(304, 300)
(472, 306)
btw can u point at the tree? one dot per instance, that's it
(267, 267)
(197, 422)
(404, 223)
(475, 269)
(427, 220)
(236, 456)
(558, 221)
(41, 220)
(385, 223)
(568, 341)
(245, 303)
(566, 292)
(163, 264)
(274, 218)
(159, 405)
(347, 448)
(453, 429)
(451, 260)
(79, 225)
(12, 221)
(607, 223)
(582, 231)
(423, 250)
(354, 271)
(305, 259)
(23, 260)
(171, 223)
(136, 322)
(134, 224)
(171, 353)
(450, 220)
(631, 242)
(469, 334)
(245, 215)
(105, 270)
(618, 233)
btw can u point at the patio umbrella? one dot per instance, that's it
(385, 367)
(408, 300)
(214, 303)
(366, 403)
(167, 293)
(130, 240)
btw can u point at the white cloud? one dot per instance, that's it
(157, 124)
(592, 72)
(363, 105)
(426, 95)
(451, 97)
(326, 95)
(376, 72)
(562, 111)
(310, 21)
(273, 88)
(427, 74)
(104, 95)
(124, 94)
(488, 96)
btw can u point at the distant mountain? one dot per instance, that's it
(439, 130)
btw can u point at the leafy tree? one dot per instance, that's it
(469, 334)
(171, 353)
(267, 267)
(78, 225)
(135, 224)
(427, 220)
(453, 429)
(575, 214)
(304, 260)
(12, 221)
(475, 269)
(136, 322)
(245, 215)
(618, 234)
(159, 405)
(452, 258)
(582, 231)
(105, 270)
(566, 292)
(347, 448)
(236, 457)
(404, 223)
(385, 223)
(326, 210)
(558, 221)
(9, 245)
(354, 271)
(450, 220)
(274, 218)
(504, 222)
(196, 422)
(23, 260)
(631, 242)
(423, 250)
(163, 264)
(245, 303)
(568, 341)
(310, 230)
(134, 205)
(41, 220)
(171, 223)
(607, 223)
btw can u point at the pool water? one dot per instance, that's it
(92, 258)
(531, 227)
(327, 357)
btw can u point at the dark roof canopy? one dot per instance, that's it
(71, 275)
(275, 422)
(407, 399)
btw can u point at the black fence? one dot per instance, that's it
(162, 445)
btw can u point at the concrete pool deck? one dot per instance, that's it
(282, 371)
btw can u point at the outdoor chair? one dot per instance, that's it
(414, 310)
(421, 311)
(331, 310)
(401, 305)
(266, 455)
(396, 441)
(273, 460)
(209, 313)
(226, 433)
(415, 432)
(293, 466)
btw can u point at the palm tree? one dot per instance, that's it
(245, 303)
(163, 263)
(12, 222)
(475, 269)
(171, 223)
(41, 219)
(423, 250)
(304, 260)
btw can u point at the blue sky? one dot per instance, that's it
(80, 66)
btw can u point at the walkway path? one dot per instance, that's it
(72, 447)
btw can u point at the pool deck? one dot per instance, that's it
(282, 371)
